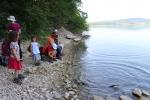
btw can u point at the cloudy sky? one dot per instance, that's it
(102, 10)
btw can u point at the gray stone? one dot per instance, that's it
(56, 95)
(71, 92)
(75, 86)
(111, 98)
(123, 97)
(68, 85)
(67, 81)
(75, 96)
(67, 95)
(146, 93)
(137, 92)
(77, 39)
(98, 98)
(70, 36)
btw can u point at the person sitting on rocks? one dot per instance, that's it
(49, 49)
(59, 45)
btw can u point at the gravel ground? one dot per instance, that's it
(45, 82)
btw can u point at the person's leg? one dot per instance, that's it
(34, 59)
(16, 78)
(19, 71)
(37, 59)
(59, 52)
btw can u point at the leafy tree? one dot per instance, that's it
(37, 16)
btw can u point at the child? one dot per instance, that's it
(14, 61)
(35, 52)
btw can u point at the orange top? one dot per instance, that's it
(48, 45)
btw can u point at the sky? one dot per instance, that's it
(103, 10)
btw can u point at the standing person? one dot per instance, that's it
(14, 61)
(35, 51)
(14, 26)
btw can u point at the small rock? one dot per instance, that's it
(75, 86)
(71, 92)
(75, 96)
(111, 98)
(77, 39)
(67, 95)
(70, 36)
(98, 98)
(146, 93)
(67, 81)
(56, 95)
(68, 85)
(123, 97)
(137, 92)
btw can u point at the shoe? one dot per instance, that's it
(37, 64)
(60, 58)
(54, 59)
(21, 77)
(17, 81)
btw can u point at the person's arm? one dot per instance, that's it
(9, 28)
(31, 49)
(19, 27)
(19, 32)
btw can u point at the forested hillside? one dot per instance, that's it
(37, 16)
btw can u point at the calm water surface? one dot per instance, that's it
(114, 56)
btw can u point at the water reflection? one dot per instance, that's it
(114, 56)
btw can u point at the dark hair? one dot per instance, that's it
(33, 38)
(13, 36)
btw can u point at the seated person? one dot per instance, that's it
(59, 44)
(49, 49)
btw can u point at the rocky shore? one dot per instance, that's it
(137, 94)
(53, 81)
(49, 81)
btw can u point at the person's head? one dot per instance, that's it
(13, 36)
(33, 38)
(11, 18)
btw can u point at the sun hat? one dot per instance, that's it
(11, 18)
(56, 30)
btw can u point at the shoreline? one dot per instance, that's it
(49, 81)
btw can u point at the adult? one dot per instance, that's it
(49, 49)
(13, 25)
(52, 48)
(16, 27)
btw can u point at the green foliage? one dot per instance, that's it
(37, 16)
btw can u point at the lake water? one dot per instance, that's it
(114, 57)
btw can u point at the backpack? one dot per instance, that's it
(3, 60)
(5, 48)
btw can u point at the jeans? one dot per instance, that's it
(58, 50)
